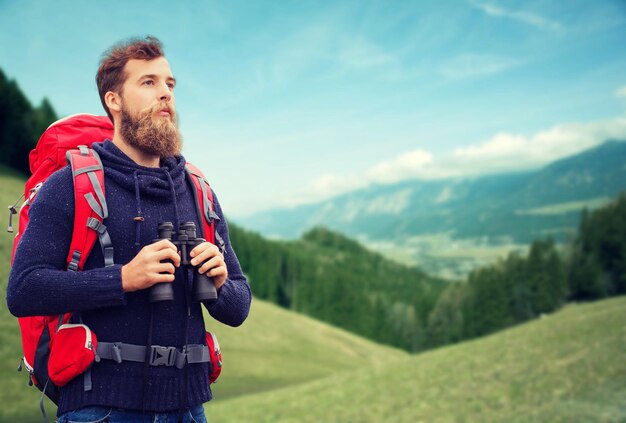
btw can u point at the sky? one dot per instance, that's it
(283, 103)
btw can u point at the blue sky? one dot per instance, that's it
(284, 102)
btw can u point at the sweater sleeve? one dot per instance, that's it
(38, 282)
(234, 297)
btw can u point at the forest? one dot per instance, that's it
(21, 124)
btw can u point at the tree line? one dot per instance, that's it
(21, 124)
(333, 278)
(518, 289)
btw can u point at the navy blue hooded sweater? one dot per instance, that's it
(40, 285)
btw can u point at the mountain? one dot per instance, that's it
(565, 368)
(517, 206)
(450, 227)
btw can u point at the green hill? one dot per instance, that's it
(276, 348)
(566, 367)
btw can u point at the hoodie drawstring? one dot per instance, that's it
(139, 218)
(173, 192)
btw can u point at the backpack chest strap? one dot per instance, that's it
(155, 355)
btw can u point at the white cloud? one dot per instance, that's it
(621, 92)
(402, 167)
(500, 145)
(405, 166)
(514, 152)
(522, 16)
(326, 186)
(475, 65)
(504, 152)
(330, 182)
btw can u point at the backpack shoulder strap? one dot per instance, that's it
(204, 205)
(90, 208)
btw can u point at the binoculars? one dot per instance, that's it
(203, 286)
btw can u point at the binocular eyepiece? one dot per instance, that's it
(185, 239)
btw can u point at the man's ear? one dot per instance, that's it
(113, 101)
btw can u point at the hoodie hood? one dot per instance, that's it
(150, 182)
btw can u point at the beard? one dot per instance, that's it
(154, 135)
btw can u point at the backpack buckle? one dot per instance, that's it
(162, 356)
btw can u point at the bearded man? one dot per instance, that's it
(145, 186)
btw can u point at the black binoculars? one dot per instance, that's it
(203, 286)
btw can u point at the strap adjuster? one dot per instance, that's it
(73, 266)
(162, 356)
(96, 225)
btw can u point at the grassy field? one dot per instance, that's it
(566, 367)
(275, 348)
(442, 255)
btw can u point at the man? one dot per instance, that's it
(145, 185)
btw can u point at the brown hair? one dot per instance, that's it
(111, 75)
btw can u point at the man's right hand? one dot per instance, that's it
(147, 269)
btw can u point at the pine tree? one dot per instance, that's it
(598, 262)
(521, 294)
(546, 277)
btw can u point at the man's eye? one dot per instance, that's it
(171, 85)
(148, 82)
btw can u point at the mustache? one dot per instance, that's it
(157, 107)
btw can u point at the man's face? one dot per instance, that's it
(148, 115)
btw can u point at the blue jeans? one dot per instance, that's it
(116, 415)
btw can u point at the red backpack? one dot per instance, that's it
(68, 140)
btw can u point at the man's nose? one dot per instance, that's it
(164, 93)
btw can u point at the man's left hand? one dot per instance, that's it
(214, 265)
